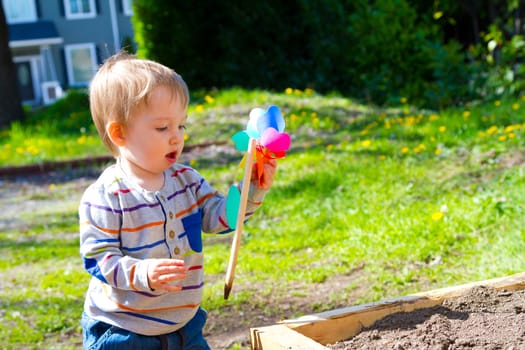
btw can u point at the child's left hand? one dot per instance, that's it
(263, 178)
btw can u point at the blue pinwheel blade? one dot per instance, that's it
(271, 119)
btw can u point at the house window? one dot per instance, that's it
(127, 6)
(76, 9)
(18, 11)
(81, 63)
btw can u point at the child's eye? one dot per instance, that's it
(182, 127)
(164, 128)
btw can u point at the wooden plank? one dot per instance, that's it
(340, 324)
(280, 337)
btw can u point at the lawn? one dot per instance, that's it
(400, 199)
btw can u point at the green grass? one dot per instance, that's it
(416, 199)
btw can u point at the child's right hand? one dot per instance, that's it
(163, 271)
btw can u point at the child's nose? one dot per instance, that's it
(176, 137)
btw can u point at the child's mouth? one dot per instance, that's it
(171, 157)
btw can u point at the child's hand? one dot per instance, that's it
(162, 271)
(263, 178)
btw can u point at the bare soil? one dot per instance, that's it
(483, 318)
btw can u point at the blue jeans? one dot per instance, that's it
(98, 335)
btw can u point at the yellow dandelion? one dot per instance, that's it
(309, 91)
(209, 99)
(382, 157)
(515, 106)
(51, 187)
(297, 92)
(419, 148)
(405, 149)
(19, 150)
(437, 216)
(313, 114)
(438, 151)
(502, 138)
(433, 117)
(523, 97)
(511, 135)
(432, 139)
(442, 128)
(497, 103)
(329, 147)
(293, 117)
(366, 143)
(288, 91)
(186, 137)
(403, 100)
(193, 162)
(466, 114)
(199, 108)
(492, 130)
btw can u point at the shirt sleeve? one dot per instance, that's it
(213, 206)
(100, 223)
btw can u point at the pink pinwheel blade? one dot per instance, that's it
(275, 141)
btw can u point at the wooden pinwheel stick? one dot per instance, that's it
(236, 243)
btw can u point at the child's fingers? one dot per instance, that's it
(263, 175)
(168, 277)
(169, 262)
(163, 271)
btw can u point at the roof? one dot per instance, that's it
(33, 34)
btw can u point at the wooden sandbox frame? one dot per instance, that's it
(312, 332)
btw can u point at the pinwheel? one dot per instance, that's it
(264, 137)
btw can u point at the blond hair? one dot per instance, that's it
(124, 82)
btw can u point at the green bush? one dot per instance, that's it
(67, 115)
(502, 55)
(252, 44)
(377, 51)
(398, 53)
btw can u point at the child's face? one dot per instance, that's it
(154, 137)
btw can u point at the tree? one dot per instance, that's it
(10, 101)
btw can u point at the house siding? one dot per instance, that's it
(97, 30)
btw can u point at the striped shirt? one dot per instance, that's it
(123, 225)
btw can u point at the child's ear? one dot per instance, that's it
(115, 132)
